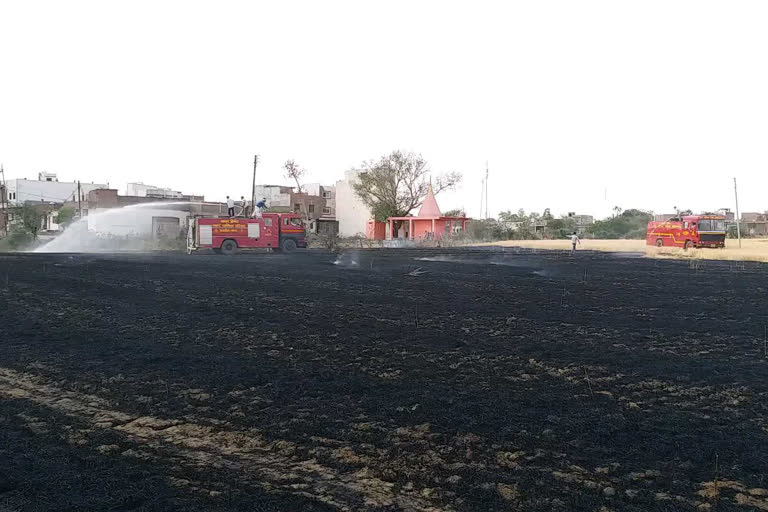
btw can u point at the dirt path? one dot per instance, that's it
(752, 249)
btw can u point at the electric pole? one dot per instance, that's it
(738, 227)
(482, 195)
(253, 187)
(486, 189)
(79, 203)
(3, 202)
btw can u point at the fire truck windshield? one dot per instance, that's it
(711, 225)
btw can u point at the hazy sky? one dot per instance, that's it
(654, 103)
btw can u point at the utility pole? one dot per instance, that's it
(253, 187)
(738, 227)
(79, 203)
(3, 202)
(482, 195)
(486, 189)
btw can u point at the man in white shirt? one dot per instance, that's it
(574, 240)
(230, 207)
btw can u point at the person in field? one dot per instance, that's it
(574, 240)
(230, 207)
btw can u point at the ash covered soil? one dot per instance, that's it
(394, 380)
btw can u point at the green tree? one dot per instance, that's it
(456, 212)
(23, 230)
(65, 216)
(509, 216)
(31, 220)
(631, 223)
(397, 183)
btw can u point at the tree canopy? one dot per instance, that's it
(65, 216)
(630, 223)
(294, 172)
(397, 183)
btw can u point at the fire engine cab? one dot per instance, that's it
(227, 235)
(688, 231)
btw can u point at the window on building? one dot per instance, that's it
(311, 208)
(326, 194)
(297, 208)
(326, 210)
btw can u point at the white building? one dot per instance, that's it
(138, 220)
(142, 190)
(277, 196)
(46, 189)
(351, 213)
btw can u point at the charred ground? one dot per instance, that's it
(399, 380)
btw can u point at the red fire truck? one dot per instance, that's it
(227, 235)
(688, 231)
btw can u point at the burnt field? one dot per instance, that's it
(393, 380)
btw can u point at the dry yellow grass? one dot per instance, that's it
(752, 249)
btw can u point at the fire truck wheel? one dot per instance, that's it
(229, 247)
(659, 243)
(289, 245)
(688, 245)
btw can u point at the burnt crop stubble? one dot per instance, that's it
(487, 380)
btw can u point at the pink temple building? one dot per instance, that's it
(428, 224)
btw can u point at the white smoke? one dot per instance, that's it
(347, 259)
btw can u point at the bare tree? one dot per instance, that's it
(295, 173)
(398, 183)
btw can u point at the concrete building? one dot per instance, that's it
(277, 196)
(142, 190)
(106, 213)
(328, 193)
(664, 217)
(730, 217)
(752, 217)
(351, 213)
(581, 222)
(46, 189)
(316, 203)
(754, 224)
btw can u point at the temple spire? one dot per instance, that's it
(429, 207)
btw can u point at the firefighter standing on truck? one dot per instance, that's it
(261, 205)
(230, 207)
